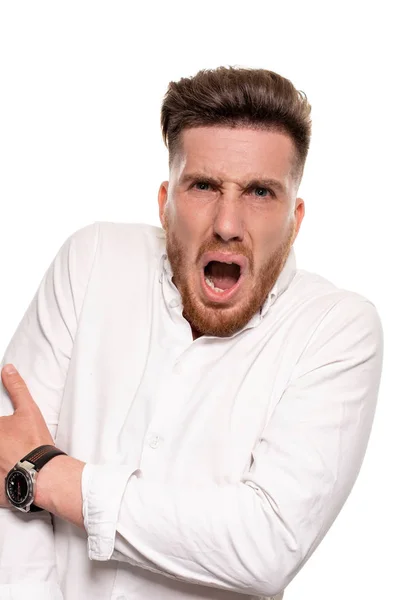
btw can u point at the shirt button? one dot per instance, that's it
(154, 441)
(174, 303)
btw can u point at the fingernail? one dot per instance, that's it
(10, 369)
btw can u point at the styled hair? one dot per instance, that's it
(237, 97)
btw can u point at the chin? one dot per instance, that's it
(218, 321)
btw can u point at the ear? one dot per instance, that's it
(299, 213)
(162, 201)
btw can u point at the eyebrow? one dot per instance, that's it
(216, 181)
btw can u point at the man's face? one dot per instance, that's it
(231, 198)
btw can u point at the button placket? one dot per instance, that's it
(154, 440)
(174, 389)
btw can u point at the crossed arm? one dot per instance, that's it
(250, 537)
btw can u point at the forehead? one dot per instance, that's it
(227, 151)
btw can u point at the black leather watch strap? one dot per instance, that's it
(39, 457)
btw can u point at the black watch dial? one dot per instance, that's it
(18, 487)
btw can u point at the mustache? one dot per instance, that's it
(234, 248)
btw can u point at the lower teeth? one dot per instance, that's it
(212, 286)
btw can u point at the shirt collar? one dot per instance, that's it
(282, 283)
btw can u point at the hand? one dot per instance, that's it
(21, 432)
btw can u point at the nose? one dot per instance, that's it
(228, 220)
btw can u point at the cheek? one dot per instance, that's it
(190, 225)
(270, 229)
(270, 241)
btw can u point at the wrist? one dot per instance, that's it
(58, 488)
(46, 481)
(20, 481)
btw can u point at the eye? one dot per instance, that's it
(262, 192)
(201, 185)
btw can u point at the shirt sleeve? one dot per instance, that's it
(253, 537)
(41, 349)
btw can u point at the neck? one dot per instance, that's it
(195, 333)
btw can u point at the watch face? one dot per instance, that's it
(18, 487)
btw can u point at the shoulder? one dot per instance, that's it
(120, 236)
(118, 255)
(311, 289)
(333, 313)
(105, 242)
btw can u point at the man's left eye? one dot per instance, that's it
(262, 192)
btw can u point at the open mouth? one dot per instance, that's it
(221, 276)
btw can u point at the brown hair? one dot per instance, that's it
(233, 96)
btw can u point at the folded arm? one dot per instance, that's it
(251, 537)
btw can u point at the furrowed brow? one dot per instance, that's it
(197, 176)
(215, 181)
(268, 183)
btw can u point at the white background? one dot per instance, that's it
(81, 85)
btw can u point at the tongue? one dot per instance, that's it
(222, 275)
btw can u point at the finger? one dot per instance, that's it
(15, 386)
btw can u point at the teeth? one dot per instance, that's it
(211, 284)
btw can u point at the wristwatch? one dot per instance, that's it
(21, 480)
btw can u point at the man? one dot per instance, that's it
(213, 403)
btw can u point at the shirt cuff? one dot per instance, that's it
(31, 591)
(102, 489)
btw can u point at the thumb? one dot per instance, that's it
(15, 386)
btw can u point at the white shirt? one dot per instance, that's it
(214, 467)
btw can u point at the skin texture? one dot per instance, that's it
(258, 222)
